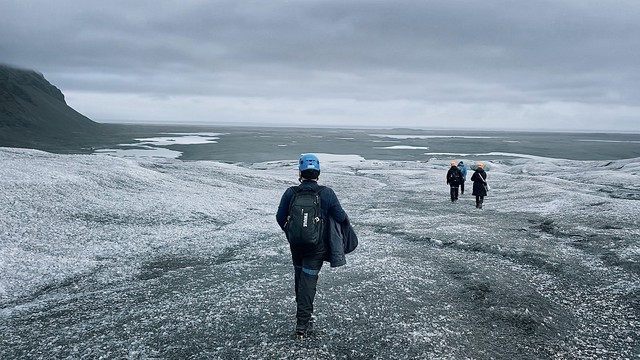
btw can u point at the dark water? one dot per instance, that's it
(253, 144)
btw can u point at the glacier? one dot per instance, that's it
(109, 257)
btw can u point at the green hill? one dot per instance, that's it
(34, 113)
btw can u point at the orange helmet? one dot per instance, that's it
(480, 165)
(453, 163)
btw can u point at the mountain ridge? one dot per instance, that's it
(33, 111)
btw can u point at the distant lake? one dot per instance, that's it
(259, 144)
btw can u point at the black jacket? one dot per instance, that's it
(479, 179)
(342, 240)
(454, 180)
(330, 206)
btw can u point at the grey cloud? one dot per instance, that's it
(432, 51)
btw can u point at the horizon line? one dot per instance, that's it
(357, 127)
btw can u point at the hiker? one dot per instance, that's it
(479, 179)
(308, 258)
(454, 178)
(463, 169)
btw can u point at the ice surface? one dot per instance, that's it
(405, 147)
(611, 141)
(118, 257)
(337, 158)
(152, 147)
(181, 139)
(412, 136)
(142, 152)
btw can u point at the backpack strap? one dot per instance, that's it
(297, 189)
(317, 189)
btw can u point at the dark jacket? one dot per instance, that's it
(479, 179)
(453, 180)
(342, 240)
(330, 207)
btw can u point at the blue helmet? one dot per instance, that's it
(308, 162)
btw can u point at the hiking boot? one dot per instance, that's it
(303, 327)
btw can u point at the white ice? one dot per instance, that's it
(149, 147)
(404, 147)
(181, 139)
(72, 215)
(405, 137)
(143, 152)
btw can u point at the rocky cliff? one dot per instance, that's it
(33, 111)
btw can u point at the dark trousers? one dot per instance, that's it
(306, 279)
(479, 201)
(462, 188)
(454, 193)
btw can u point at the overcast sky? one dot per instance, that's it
(556, 64)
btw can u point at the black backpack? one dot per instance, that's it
(455, 177)
(305, 225)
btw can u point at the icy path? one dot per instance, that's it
(113, 258)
